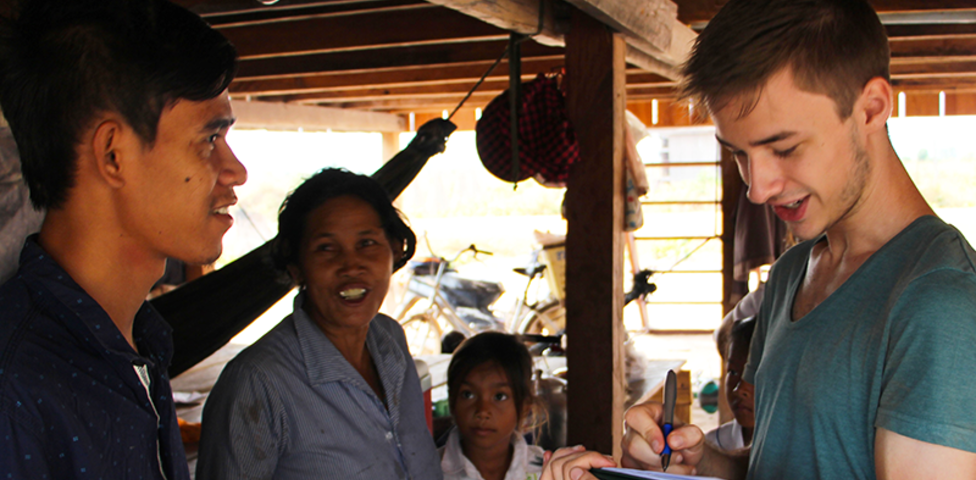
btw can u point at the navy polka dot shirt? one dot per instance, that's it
(71, 402)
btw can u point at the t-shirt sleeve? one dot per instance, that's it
(927, 391)
(244, 431)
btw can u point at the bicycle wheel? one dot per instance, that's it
(423, 334)
(546, 318)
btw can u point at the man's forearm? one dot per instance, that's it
(724, 464)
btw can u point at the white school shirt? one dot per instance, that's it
(526, 460)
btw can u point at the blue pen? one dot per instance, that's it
(670, 397)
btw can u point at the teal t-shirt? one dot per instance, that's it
(894, 347)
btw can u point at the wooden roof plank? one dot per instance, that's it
(439, 75)
(257, 17)
(433, 103)
(211, 8)
(377, 93)
(389, 58)
(428, 24)
(487, 89)
(933, 46)
(416, 77)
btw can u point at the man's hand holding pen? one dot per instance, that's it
(644, 441)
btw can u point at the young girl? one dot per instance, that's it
(490, 393)
(737, 434)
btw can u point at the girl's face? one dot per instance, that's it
(345, 262)
(485, 411)
(739, 392)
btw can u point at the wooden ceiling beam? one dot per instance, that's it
(404, 77)
(489, 89)
(657, 42)
(414, 77)
(953, 84)
(308, 11)
(895, 31)
(364, 94)
(933, 68)
(428, 104)
(390, 58)
(933, 46)
(210, 8)
(646, 21)
(428, 24)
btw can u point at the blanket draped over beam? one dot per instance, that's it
(207, 312)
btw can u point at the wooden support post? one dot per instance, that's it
(594, 250)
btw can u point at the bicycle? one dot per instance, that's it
(464, 305)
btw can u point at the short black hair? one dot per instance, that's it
(325, 185)
(64, 62)
(502, 349)
(742, 330)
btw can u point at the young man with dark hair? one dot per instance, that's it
(119, 110)
(864, 343)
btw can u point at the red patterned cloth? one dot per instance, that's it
(547, 142)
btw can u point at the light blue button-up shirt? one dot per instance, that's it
(291, 407)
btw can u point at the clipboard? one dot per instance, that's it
(632, 474)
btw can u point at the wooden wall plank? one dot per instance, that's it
(922, 104)
(642, 109)
(464, 118)
(961, 103)
(594, 248)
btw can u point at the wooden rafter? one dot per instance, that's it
(429, 25)
(933, 46)
(404, 77)
(387, 58)
(657, 42)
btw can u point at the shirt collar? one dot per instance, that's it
(454, 462)
(323, 361)
(58, 293)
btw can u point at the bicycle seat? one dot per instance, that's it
(531, 271)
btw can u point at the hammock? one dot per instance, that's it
(207, 312)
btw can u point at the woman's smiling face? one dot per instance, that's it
(345, 261)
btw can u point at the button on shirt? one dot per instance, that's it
(71, 402)
(291, 407)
